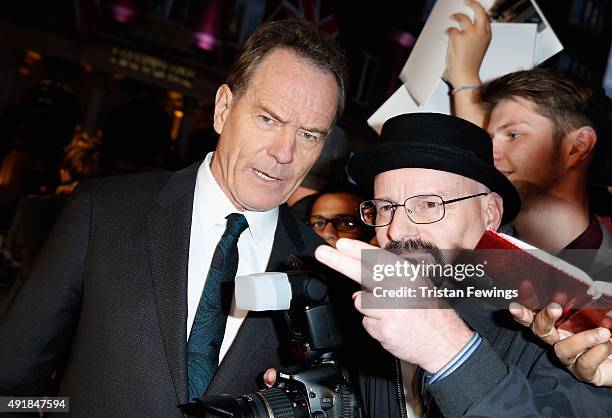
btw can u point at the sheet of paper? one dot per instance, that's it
(427, 61)
(528, 11)
(501, 58)
(547, 43)
(512, 48)
(401, 102)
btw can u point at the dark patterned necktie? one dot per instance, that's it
(209, 323)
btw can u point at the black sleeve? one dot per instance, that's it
(36, 333)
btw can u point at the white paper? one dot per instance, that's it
(547, 43)
(528, 11)
(502, 57)
(400, 103)
(512, 49)
(427, 61)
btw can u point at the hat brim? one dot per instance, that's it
(367, 164)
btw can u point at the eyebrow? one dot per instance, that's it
(266, 109)
(271, 113)
(433, 192)
(338, 215)
(512, 123)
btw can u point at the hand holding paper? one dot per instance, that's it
(542, 278)
(587, 354)
(427, 61)
(497, 62)
(467, 46)
(466, 50)
(521, 39)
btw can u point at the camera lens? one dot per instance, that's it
(267, 403)
(280, 403)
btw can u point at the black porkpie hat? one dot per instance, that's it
(438, 142)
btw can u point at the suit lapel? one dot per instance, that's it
(169, 229)
(288, 241)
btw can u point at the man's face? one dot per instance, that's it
(273, 133)
(343, 208)
(524, 149)
(461, 227)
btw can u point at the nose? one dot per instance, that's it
(329, 233)
(282, 147)
(498, 150)
(402, 228)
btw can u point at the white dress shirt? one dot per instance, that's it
(210, 207)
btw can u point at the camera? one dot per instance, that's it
(318, 386)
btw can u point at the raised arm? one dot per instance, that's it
(466, 50)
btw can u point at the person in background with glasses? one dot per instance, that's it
(335, 214)
(436, 188)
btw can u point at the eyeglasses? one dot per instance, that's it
(341, 223)
(421, 209)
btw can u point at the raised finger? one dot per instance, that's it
(568, 349)
(347, 257)
(353, 247)
(464, 22)
(587, 364)
(340, 262)
(358, 300)
(543, 324)
(269, 377)
(521, 314)
(481, 17)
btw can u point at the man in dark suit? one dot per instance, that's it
(112, 301)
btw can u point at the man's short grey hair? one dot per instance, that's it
(301, 37)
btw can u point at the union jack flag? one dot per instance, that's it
(318, 12)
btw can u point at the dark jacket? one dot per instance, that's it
(511, 374)
(107, 298)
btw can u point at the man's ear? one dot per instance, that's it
(223, 106)
(494, 210)
(581, 143)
